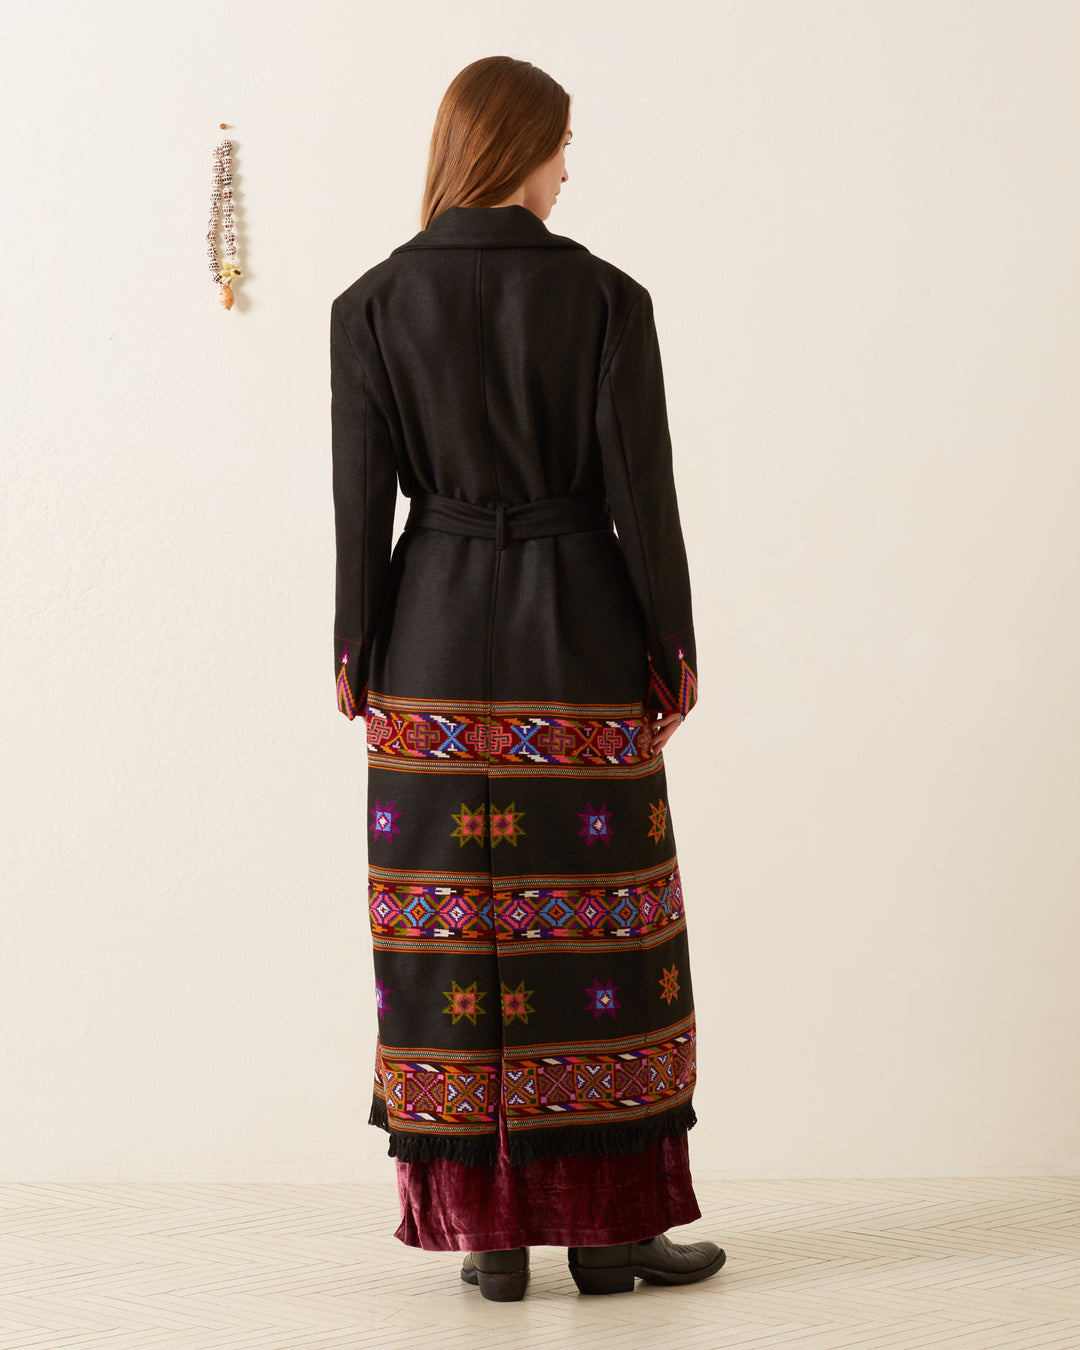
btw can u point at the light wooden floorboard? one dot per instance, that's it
(812, 1265)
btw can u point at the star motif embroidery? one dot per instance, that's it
(515, 1003)
(470, 824)
(602, 999)
(658, 819)
(384, 820)
(669, 985)
(381, 992)
(463, 1002)
(597, 823)
(504, 825)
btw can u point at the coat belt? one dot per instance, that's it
(523, 520)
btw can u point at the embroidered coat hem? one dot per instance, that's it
(508, 655)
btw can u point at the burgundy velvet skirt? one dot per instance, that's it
(556, 1202)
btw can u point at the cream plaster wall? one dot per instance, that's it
(859, 225)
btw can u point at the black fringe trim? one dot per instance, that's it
(595, 1141)
(478, 1152)
(562, 1141)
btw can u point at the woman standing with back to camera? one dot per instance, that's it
(519, 668)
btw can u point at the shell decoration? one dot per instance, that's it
(228, 273)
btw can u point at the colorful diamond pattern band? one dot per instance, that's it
(504, 738)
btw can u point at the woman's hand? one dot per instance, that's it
(660, 726)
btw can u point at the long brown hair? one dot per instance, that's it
(498, 121)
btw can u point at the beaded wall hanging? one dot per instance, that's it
(221, 203)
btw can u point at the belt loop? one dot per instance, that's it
(499, 512)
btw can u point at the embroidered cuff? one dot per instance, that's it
(350, 669)
(672, 672)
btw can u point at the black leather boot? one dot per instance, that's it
(612, 1270)
(501, 1275)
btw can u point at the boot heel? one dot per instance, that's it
(504, 1288)
(614, 1281)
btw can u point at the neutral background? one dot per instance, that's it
(859, 225)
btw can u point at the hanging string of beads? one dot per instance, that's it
(221, 202)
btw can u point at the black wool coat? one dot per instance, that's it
(529, 937)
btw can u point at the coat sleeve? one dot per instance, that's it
(635, 446)
(364, 494)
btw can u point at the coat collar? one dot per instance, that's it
(487, 227)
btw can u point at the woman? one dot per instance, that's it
(519, 668)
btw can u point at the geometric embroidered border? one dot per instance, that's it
(431, 1092)
(684, 696)
(409, 909)
(507, 738)
(351, 689)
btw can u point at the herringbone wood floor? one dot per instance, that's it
(973, 1264)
